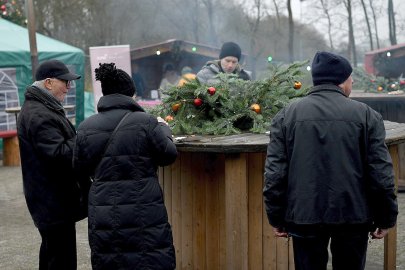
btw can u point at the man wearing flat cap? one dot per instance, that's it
(328, 173)
(51, 187)
(229, 58)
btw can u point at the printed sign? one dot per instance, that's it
(120, 55)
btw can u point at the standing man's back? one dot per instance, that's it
(328, 172)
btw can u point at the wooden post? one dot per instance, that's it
(11, 151)
(390, 241)
(32, 36)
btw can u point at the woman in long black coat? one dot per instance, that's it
(128, 224)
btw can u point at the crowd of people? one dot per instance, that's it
(328, 174)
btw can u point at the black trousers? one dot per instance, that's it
(348, 248)
(58, 248)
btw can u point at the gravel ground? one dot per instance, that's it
(19, 239)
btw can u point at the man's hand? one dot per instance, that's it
(161, 120)
(379, 233)
(280, 232)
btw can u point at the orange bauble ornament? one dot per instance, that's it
(380, 88)
(256, 108)
(176, 107)
(169, 118)
(297, 85)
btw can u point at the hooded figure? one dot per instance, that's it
(228, 62)
(121, 147)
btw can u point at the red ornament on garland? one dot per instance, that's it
(3, 7)
(211, 90)
(198, 102)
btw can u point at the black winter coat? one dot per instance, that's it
(327, 163)
(128, 223)
(46, 139)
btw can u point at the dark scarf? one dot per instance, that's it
(42, 95)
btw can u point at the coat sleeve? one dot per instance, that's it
(202, 76)
(164, 149)
(51, 143)
(83, 162)
(276, 174)
(381, 186)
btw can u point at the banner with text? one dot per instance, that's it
(120, 55)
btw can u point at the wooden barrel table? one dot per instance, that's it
(213, 194)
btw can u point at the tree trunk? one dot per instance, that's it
(210, 11)
(370, 36)
(326, 11)
(195, 22)
(375, 24)
(352, 43)
(391, 23)
(277, 12)
(290, 32)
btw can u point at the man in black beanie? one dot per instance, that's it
(229, 58)
(328, 173)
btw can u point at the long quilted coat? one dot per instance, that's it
(128, 224)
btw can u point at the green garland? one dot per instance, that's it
(229, 109)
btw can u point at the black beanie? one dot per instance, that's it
(114, 80)
(230, 49)
(330, 68)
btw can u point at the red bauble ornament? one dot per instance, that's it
(211, 90)
(198, 102)
(3, 7)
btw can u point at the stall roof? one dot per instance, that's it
(396, 50)
(175, 45)
(377, 62)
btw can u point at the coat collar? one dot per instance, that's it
(215, 66)
(118, 101)
(326, 87)
(35, 93)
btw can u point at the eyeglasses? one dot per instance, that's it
(64, 81)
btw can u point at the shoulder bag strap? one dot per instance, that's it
(110, 139)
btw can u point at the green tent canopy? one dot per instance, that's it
(16, 75)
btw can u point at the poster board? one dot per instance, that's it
(119, 54)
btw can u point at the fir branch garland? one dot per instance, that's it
(229, 109)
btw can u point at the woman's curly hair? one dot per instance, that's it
(114, 80)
